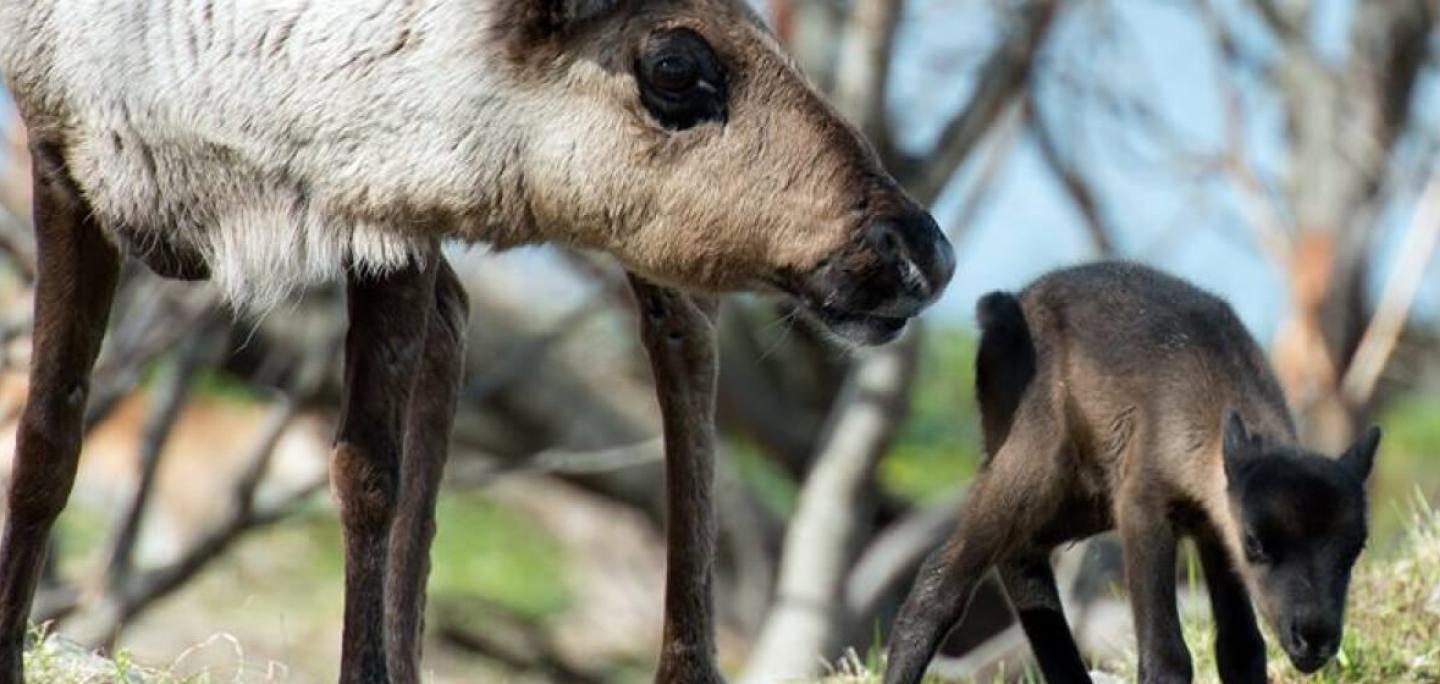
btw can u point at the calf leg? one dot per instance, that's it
(77, 268)
(679, 336)
(1239, 648)
(1012, 499)
(1030, 584)
(427, 435)
(388, 319)
(1150, 544)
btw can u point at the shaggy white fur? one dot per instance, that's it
(284, 140)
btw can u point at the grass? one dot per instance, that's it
(1392, 629)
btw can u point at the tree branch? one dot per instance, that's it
(1002, 78)
(1406, 276)
(169, 396)
(820, 540)
(1076, 186)
(862, 73)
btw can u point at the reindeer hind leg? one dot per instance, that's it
(1030, 585)
(427, 432)
(1014, 498)
(383, 348)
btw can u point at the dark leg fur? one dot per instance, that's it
(679, 336)
(383, 350)
(1150, 546)
(1030, 584)
(427, 434)
(1239, 647)
(1011, 500)
(76, 275)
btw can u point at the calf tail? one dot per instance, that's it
(1004, 366)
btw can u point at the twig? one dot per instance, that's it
(1380, 337)
(514, 642)
(1003, 143)
(1271, 234)
(167, 400)
(1002, 77)
(1074, 183)
(124, 601)
(823, 531)
(474, 472)
(863, 68)
(893, 555)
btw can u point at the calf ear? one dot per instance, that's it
(1237, 444)
(1360, 457)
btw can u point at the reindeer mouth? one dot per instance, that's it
(846, 326)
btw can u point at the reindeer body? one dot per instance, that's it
(1117, 397)
(282, 142)
(270, 144)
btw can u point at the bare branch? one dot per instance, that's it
(990, 167)
(893, 555)
(782, 20)
(1380, 337)
(124, 600)
(1072, 180)
(166, 400)
(820, 540)
(477, 472)
(1288, 23)
(862, 74)
(1264, 219)
(1002, 78)
(512, 641)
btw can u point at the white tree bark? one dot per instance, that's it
(820, 542)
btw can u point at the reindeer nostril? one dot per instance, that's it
(1298, 640)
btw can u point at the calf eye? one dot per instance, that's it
(1254, 551)
(681, 82)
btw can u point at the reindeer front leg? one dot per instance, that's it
(76, 274)
(1150, 545)
(389, 316)
(678, 332)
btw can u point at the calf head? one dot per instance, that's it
(1302, 521)
(678, 137)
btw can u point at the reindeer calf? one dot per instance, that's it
(270, 144)
(1115, 396)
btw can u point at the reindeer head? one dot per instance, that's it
(1301, 518)
(678, 137)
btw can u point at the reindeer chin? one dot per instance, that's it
(856, 329)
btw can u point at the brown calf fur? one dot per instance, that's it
(1115, 396)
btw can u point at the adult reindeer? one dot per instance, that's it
(270, 144)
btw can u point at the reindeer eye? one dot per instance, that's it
(675, 73)
(681, 81)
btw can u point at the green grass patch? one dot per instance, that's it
(938, 448)
(484, 550)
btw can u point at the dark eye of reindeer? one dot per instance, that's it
(681, 82)
(1254, 551)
